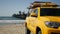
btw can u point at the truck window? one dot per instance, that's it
(36, 11)
(50, 12)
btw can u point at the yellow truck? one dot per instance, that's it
(43, 18)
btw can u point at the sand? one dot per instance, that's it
(13, 29)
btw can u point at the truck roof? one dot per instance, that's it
(42, 4)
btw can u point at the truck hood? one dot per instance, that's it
(54, 18)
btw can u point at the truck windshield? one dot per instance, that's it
(50, 12)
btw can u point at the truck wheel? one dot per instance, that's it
(27, 31)
(38, 31)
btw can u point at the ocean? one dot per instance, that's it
(6, 20)
(9, 18)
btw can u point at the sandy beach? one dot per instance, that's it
(13, 29)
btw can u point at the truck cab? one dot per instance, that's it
(44, 18)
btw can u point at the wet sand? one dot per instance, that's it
(13, 29)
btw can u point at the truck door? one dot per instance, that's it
(34, 18)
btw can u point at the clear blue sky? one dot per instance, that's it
(9, 7)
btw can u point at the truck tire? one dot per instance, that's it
(27, 30)
(38, 31)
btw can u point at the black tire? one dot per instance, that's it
(38, 31)
(27, 30)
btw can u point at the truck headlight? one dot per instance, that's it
(52, 24)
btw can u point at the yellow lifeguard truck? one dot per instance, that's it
(43, 18)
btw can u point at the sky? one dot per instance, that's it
(9, 7)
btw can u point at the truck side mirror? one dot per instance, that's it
(33, 15)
